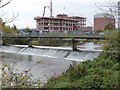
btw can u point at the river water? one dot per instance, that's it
(51, 64)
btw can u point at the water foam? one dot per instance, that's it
(54, 52)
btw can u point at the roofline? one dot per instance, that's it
(69, 18)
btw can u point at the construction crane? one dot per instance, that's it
(50, 7)
(44, 10)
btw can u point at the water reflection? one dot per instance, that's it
(29, 57)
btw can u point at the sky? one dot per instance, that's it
(28, 9)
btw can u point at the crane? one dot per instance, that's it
(44, 10)
(50, 7)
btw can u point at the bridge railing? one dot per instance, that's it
(50, 35)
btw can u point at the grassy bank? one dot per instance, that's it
(102, 72)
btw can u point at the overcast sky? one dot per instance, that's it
(28, 9)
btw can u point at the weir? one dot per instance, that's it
(65, 53)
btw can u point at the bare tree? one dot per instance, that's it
(2, 5)
(111, 7)
(13, 17)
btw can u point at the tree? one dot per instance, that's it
(3, 27)
(112, 7)
(109, 26)
(3, 5)
(8, 29)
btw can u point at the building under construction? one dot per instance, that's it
(61, 22)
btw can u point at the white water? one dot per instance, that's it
(44, 62)
(66, 53)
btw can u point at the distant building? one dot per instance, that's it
(102, 19)
(119, 14)
(60, 23)
(86, 29)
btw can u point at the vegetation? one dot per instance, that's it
(8, 41)
(12, 79)
(7, 29)
(51, 42)
(110, 27)
(102, 72)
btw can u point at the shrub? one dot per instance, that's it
(12, 79)
(101, 72)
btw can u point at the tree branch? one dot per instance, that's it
(12, 18)
(5, 3)
(0, 0)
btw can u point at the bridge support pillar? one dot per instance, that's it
(29, 42)
(1, 41)
(74, 45)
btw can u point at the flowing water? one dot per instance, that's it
(45, 62)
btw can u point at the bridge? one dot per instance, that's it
(73, 39)
(52, 37)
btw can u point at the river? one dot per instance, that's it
(50, 63)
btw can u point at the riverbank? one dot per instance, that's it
(101, 72)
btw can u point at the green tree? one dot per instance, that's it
(27, 29)
(8, 29)
(110, 26)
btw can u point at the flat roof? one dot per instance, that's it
(103, 15)
(63, 18)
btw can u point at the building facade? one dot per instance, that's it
(60, 23)
(103, 19)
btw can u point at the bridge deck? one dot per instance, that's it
(57, 37)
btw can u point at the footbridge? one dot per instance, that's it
(74, 39)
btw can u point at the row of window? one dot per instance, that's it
(55, 24)
(59, 22)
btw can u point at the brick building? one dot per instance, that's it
(60, 23)
(102, 19)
